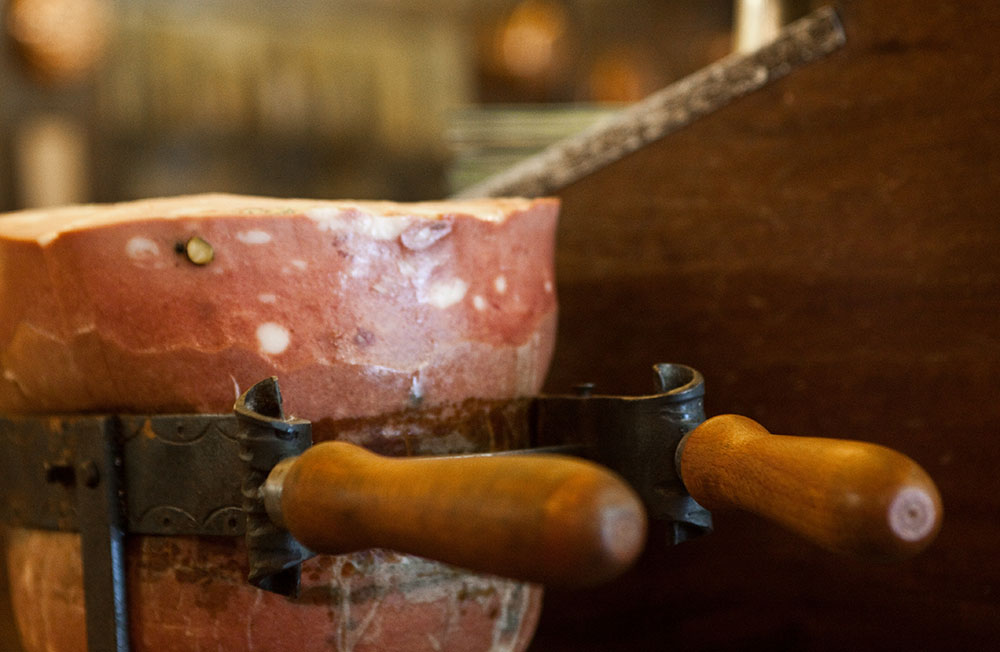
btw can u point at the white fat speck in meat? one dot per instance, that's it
(444, 294)
(500, 284)
(138, 247)
(273, 338)
(416, 389)
(380, 372)
(377, 227)
(360, 267)
(478, 302)
(422, 235)
(254, 237)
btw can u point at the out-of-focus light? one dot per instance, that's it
(50, 155)
(618, 75)
(528, 39)
(61, 40)
(757, 23)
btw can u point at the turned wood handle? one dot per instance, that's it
(847, 496)
(538, 518)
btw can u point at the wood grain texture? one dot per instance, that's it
(847, 496)
(541, 518)
(9, 638)
(827, 253)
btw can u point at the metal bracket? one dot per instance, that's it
(91, 474)
(637, 437)
(65, 473)
(102, 535)
(196, 489)
(267, 437)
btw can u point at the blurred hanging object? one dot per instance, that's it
(619, 75)
(60, 41)
(50, 154)
(531, 42)
(756, 23)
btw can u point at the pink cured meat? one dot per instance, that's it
(373, 304)
(360, 309)
(190, 595)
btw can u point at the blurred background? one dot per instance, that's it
(108, 100)
(825, 251)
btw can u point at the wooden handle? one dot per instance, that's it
(539, 518)
(847, 496)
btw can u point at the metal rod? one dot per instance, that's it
(667, 110)
(102, 535)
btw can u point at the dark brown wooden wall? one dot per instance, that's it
(827, 252)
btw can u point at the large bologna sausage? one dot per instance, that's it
(360, 308)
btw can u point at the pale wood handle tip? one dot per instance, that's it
(914, 514)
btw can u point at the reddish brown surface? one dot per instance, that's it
(367, 310)
(189, 594)
(827, 252)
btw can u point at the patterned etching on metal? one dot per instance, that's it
(182, 475)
